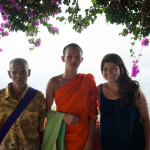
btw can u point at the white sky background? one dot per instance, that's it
(96, 41)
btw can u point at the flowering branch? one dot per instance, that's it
(135, 67)
(26, 16)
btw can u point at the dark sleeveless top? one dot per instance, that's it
(120, 126)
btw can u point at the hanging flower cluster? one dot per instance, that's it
(3, 32)
(145, 42)
(54, 29)
(135, 68)
(27, 15)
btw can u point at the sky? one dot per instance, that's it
(96, 41)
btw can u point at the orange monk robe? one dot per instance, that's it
(78, 97)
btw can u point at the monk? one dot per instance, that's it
(75, 96)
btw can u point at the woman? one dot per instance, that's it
(124, 121)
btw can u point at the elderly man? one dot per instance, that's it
(22, 111)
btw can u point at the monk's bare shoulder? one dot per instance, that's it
(52, 86)
(54, 82)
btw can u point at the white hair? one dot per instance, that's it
(18, 60)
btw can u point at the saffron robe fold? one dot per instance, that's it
(78, 97)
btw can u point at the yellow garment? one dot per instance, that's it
(24, 134)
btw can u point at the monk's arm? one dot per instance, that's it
(98, 98)
(90, 140)
(50, 92)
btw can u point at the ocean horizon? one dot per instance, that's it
(39, 81)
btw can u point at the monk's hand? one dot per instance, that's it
(88, 146)
(71, 119)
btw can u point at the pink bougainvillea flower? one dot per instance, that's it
(59, 3)
(135, 61)
(1, 29)
(30, 14)
(2, 9)
(77, 21)
(55, 29)
(15, 5)
(1, 50)
(56, 11)
(83, 27)
(37, 42)
(2, 24)
(145, 42)
(52, 1)
(5, 17)
(6, 25)
(6, 33)
(45, 19)
(36, 23)
(135, 70)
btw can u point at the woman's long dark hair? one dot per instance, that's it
(128, 88)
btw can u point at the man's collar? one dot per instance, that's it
(8, 93)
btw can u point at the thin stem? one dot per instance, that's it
(140, 53)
